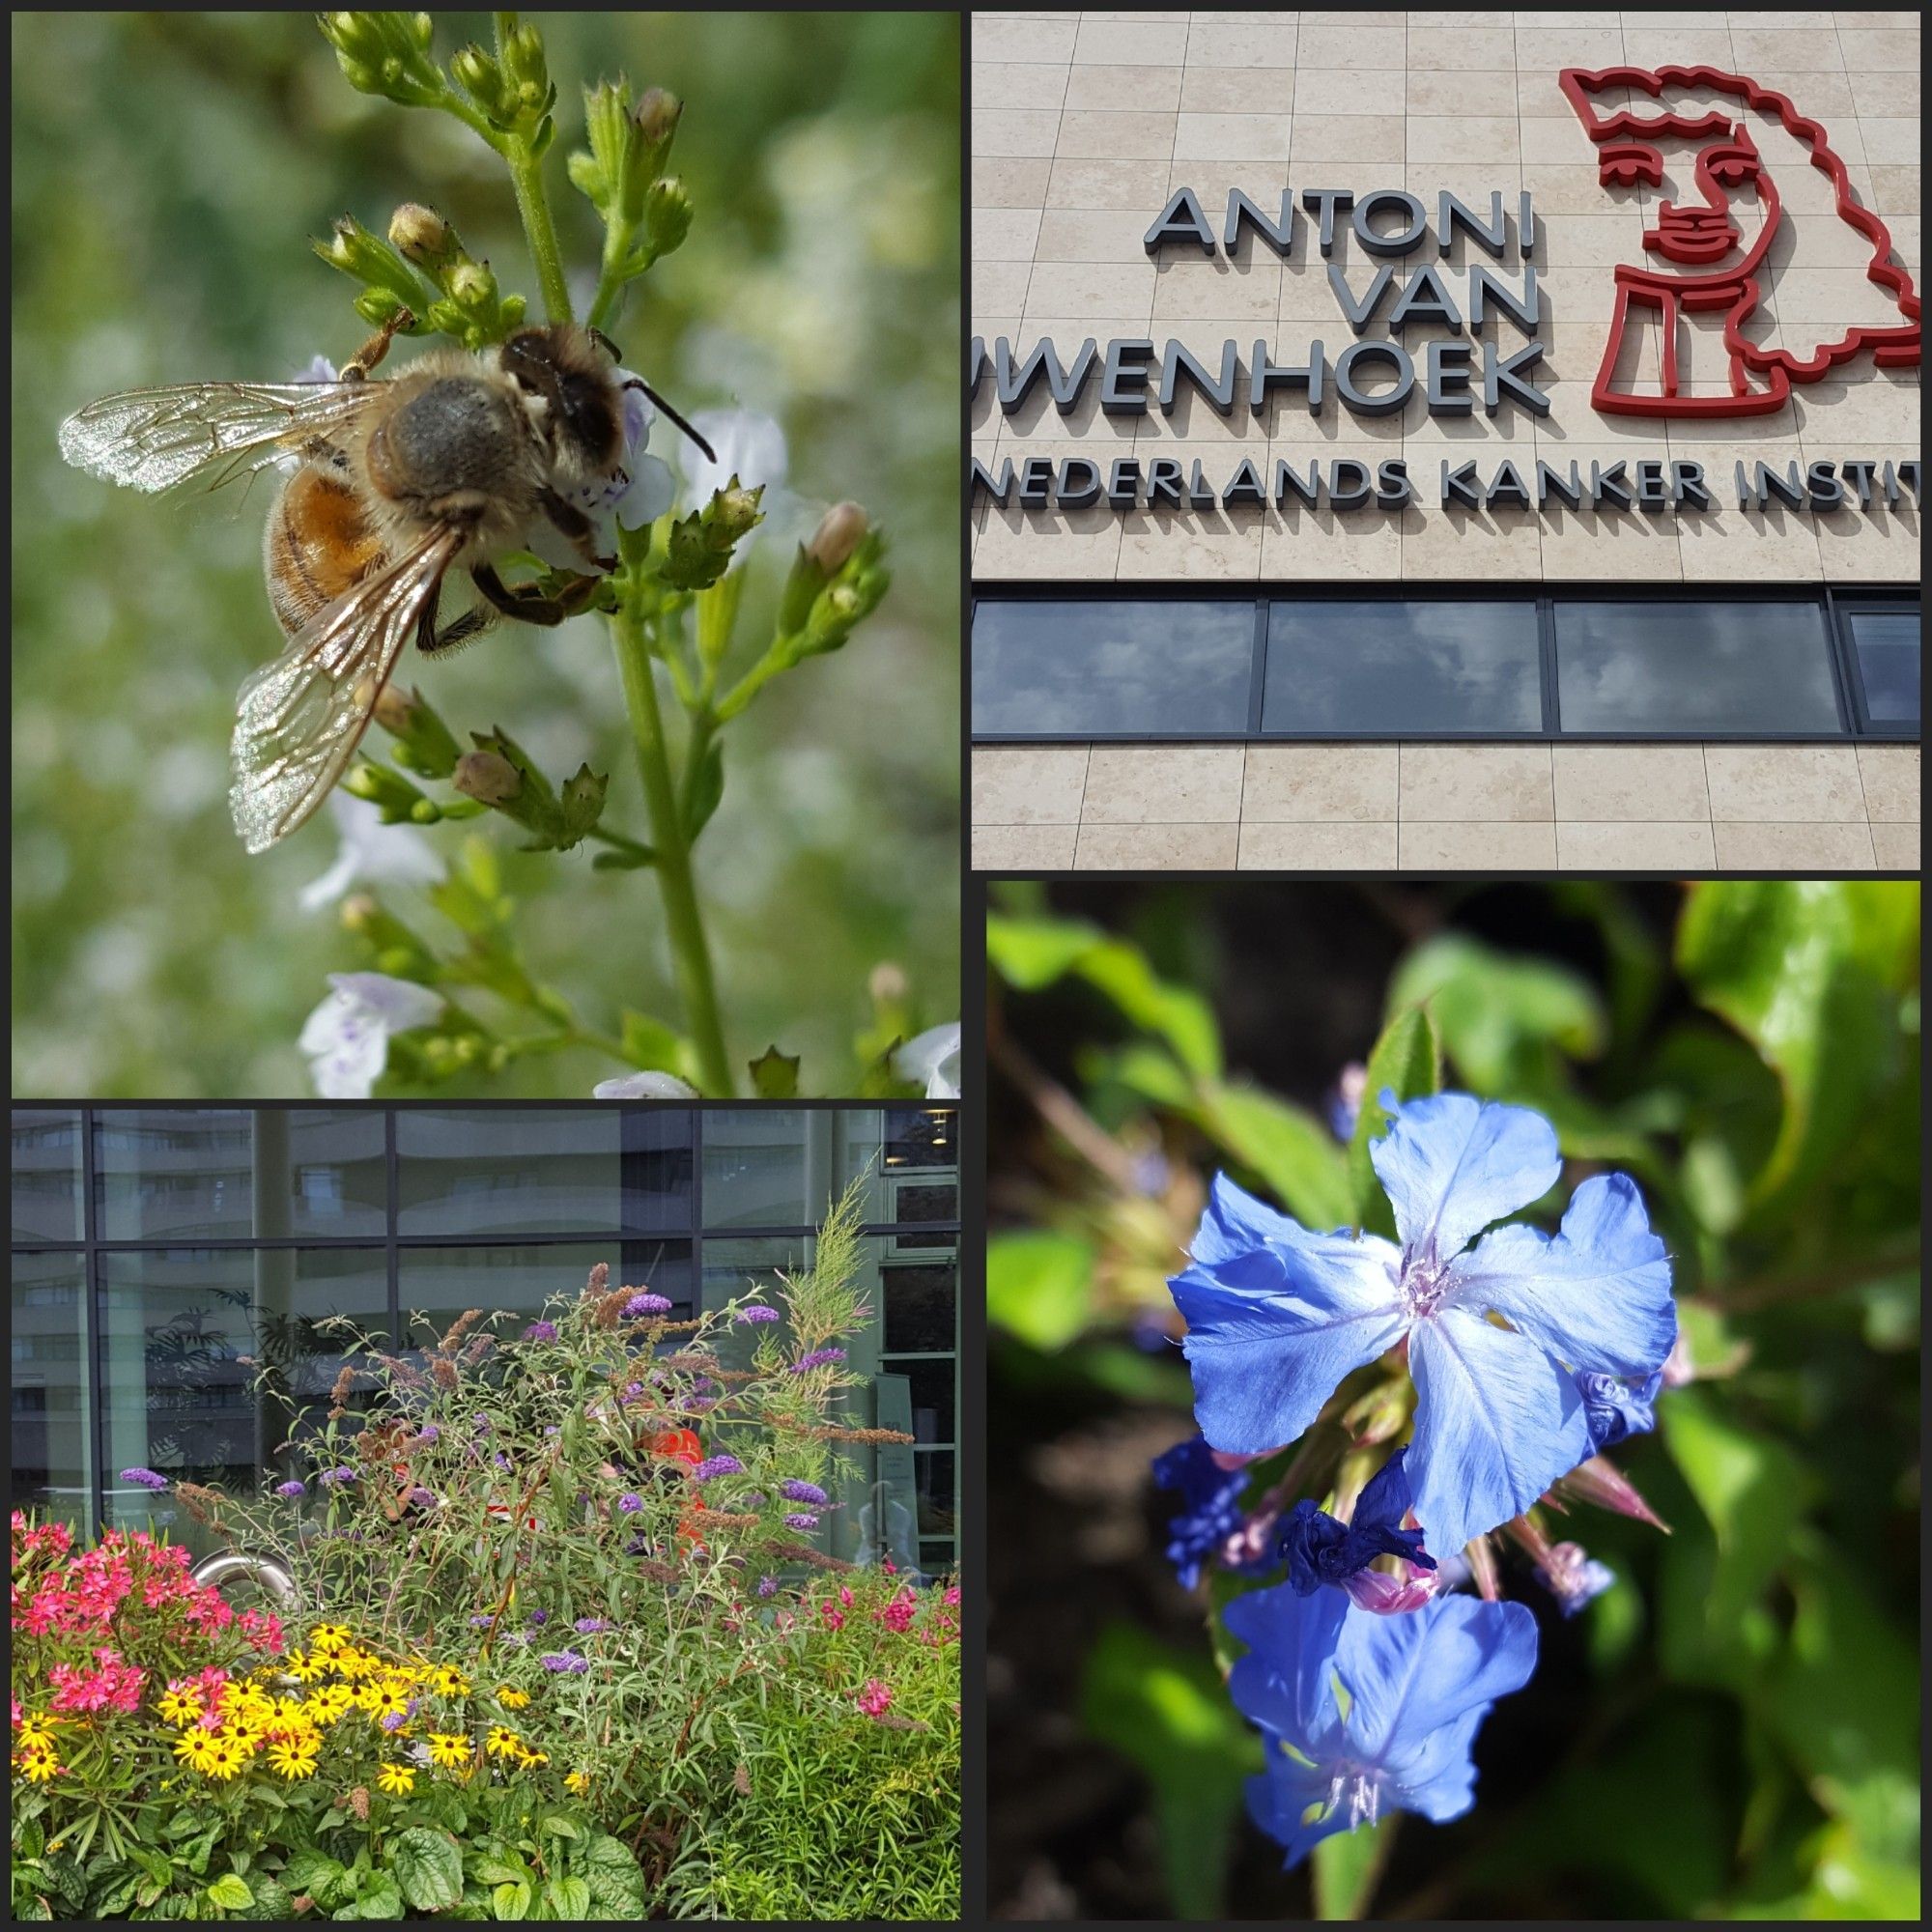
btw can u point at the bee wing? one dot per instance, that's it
(154, 439)
(300, 718)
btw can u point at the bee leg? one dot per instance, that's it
(604, 343)
(376, 347)
(577, 526)
(530, 603)
(430, 640)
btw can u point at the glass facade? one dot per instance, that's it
(1527, 662)
(164, 1258)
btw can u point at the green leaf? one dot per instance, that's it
(1030, 953)
(650, 1046)
(775, 1075)
(1407, 1061)
(707, 788)
(1167, 1711)
(377, 1897)
(1507, 1022)
(614, 1878)
(428, 1869)
(1347, 1865)
(569, 1896)
(1040, 1286)
(1809, 972)
(231, 1893)
(1287, 1149)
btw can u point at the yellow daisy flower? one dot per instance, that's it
(448, 1682)
(180, 1707)
(295, 1760)
(387, 1699)
(304, 1668)
(502, 1743)
(34, 1737)
(357, 1665)
(329, 1639)
(448, 1750)
(398, 1778)
(578, 1781)
(511, 1700)
(530, 1759)
(37, 1767)
(222, 1759)
(330, 1702)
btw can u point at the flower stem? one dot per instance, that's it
(533, 205)
(689, 950)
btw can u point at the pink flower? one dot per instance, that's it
(876, 1699)
(835, 1619)
(846, 1596)
(898, 1615)
(951, 1595)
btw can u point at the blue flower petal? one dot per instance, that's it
(1597, 1294)
(1437, 1777)
(1617, 1410)
(1285, 1684)
(1452, 1164)
(1272, 1330)
(1279, 1799)
(1414, 1675)
(1497, 1422)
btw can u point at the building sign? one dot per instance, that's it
(1711, 363)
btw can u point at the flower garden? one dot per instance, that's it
(560, 1647)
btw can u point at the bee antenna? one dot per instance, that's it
(638, 382)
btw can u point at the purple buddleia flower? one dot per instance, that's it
(429, 1432)
(591, 1626)
(1277, 1316)
(344, 1474)
(567, 1661)
(1417, 1687)
(540, 1331)
(696, 1405)
(647, 1303)
(816, 1359)
(630, 1503)
(753, 1499)
(637, 1546)
(538, 1618)
(482, 1620)
(1573, 1576)
(147, 1478)
(801, 1520)
(1322, 1549)
(768, 1586)
(421, 1497)
(798, 1490)
(291, 1491)
(1615, 1410)
(1210, 1508)
(755, 1311)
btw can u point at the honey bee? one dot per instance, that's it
(396, 482)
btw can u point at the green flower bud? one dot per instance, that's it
(471, 286)
(736, 510)
(424, 743)
(367, 259)
(837, 536)
(386, 54)
(701, 544)
(488, 778)
(387, 789)
(478, 76)
(667, 216)
(657, 114)
(420, 235)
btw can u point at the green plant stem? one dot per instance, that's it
(611, 277)
(533, 205)
(689, 950)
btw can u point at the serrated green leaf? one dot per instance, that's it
(615, 1879)
(775, 1075)
(1040, 1286)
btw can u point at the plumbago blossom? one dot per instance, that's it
(1363, 1714)
(1278, 1315)
(1322, 1549)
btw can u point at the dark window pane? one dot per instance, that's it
(438, 1284)
(931, 1388)
(781, 1167)
(179, 1397)
(266, 1172)
(1087, 670)
(531, 1171)
(1887, 642)
(936, 1560)
(53, 1461)
(1362, 669)
(909, 1156)
(1735, 665)
(922, 1308)
(46, 1175)
(932, 1478)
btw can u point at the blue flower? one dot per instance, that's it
(1320, 1549)
(1210, 1508)
(1417, 1689)
(1277, 1315)
(1614, 1410)
(1573, 1576)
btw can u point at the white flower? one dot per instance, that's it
(319, 369)
(932, 1056)
(385, 855)
(347, 1038)
(750, 447)
(644, 1086)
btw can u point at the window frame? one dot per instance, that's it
(1851, 674)
(1833, 600)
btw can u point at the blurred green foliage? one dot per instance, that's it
(1745, 1741)
(168, 172)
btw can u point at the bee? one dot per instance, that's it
(394, 483)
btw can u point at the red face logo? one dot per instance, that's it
(1692, 143)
